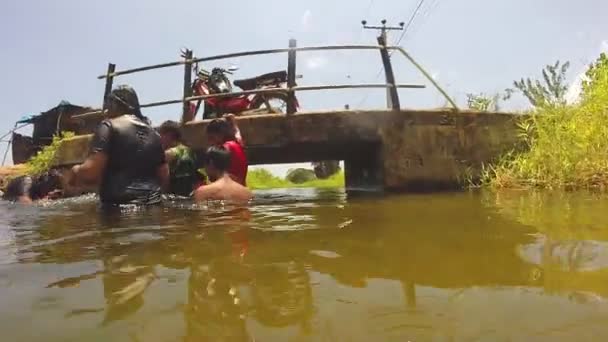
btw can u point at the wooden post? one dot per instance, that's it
(109, 84)
(187, 115)
(291, 77)
(390, 77)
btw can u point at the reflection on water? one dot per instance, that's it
(309, 265)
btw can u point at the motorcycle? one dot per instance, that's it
(217, 82)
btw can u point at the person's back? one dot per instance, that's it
(134, 154)
(183, 173)
(126, 160)
(238, 165)
(223, 186)
(225, 132)
(225, 189)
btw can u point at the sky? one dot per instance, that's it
(54, 50)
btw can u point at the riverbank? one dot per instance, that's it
(566, 144)
(262, 179)
(11, 171)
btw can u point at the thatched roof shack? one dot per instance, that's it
(50, 123)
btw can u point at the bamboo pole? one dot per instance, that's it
(240, 54)
(426, 74)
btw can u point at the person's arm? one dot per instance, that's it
(231, 118)
(169, 155)
(91, 171)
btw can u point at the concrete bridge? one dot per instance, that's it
(406, 150)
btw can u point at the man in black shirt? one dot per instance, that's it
(126, 157)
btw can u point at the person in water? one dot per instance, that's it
(183, 173)
(223, 187)
(27, 189)
(225, 132)
(126, 157)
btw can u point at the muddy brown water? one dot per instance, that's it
(309, 265)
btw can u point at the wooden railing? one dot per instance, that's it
(291, 87)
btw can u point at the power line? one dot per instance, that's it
(403, 34)
(423, 16)
(410, 21)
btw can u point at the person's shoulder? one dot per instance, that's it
(206, 192)
(233, 145)
(230, 143)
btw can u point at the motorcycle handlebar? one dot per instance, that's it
(224, 71)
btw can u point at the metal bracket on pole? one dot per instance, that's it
(392, 94)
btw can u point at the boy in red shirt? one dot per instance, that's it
(225, 132)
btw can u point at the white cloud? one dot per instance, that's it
(435, 74)
(316, 62)
(305, 20)
(575, 88)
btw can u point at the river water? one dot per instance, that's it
(309, 265)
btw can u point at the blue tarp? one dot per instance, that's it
(29, 118)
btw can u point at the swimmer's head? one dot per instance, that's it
(170, 134)
(123, 100)
(218, 132)
(46, 183)
(217, 162)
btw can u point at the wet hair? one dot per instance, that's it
(218, 157)
(45, 183)
(172, 128)
(125, 99)
(220, 127)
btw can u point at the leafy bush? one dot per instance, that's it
(44, 159)
(300, 175)
(567, 144)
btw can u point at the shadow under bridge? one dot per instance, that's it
(353, 137)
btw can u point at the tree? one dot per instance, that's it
(300, 175)
(326, 169)
(551, 91)
(595, 72)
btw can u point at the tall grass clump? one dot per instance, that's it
(566, 145)
(44, 159)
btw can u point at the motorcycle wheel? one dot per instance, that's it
(277, 101)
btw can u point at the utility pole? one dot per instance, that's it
(382, 39)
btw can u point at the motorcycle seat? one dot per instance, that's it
(265, 79)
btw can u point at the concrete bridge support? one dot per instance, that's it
(391, 150)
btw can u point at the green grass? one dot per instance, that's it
(43, 160)
(567, 145)
(262, 179)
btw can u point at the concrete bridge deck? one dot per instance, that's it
(407, 150)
